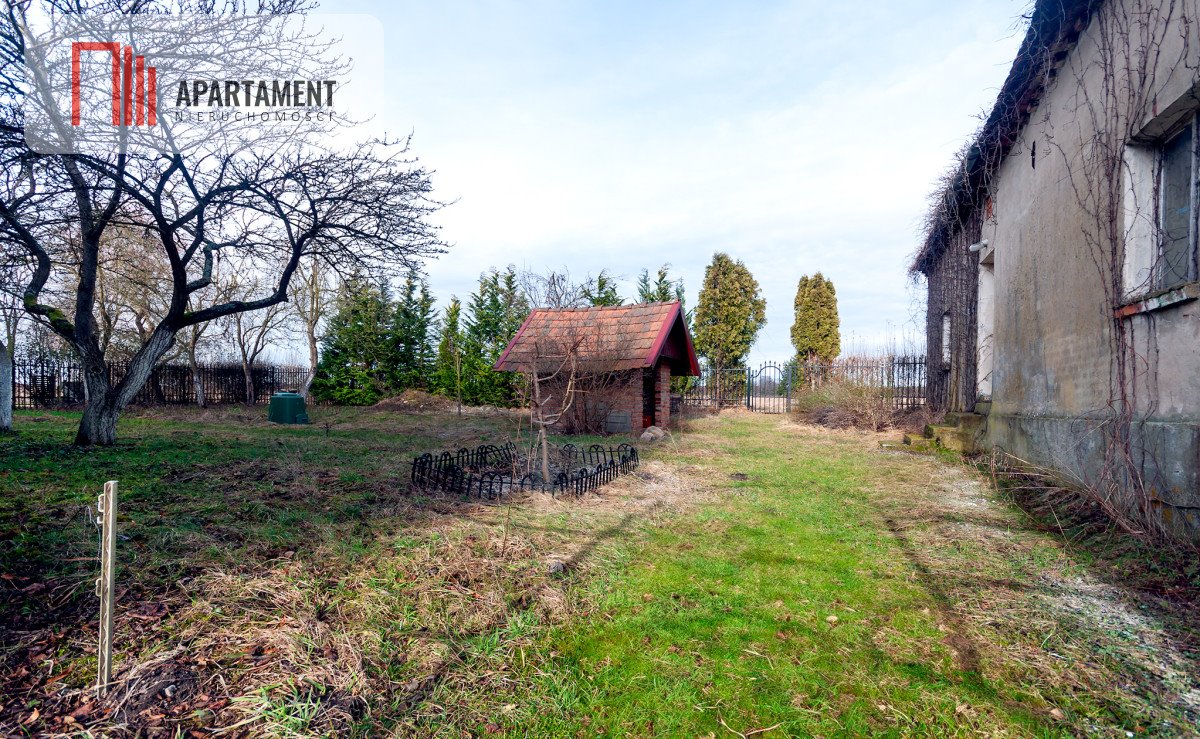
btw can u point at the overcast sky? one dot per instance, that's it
(796, 136)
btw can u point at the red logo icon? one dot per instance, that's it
(134, 92)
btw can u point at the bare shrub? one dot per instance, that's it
(574, 378)
(843, 405)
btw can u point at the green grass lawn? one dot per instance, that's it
(766, 609)
(756, 577)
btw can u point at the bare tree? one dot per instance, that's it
(575, 378)
(198, 334)
(313, 296)
(551, 289)
(554, 367)
(276, 196)
(193, 337)
(11, 274)
(557, 289)
(253, 331)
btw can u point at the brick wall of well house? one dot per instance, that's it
(624, 396)
(621, 397)
(627, 398)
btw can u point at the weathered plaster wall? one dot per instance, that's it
(1054, 356)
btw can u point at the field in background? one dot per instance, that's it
(754, 574)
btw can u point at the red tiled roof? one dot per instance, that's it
(610, 338)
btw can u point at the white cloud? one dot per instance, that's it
(797, 137)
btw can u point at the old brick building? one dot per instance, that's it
(617, 361)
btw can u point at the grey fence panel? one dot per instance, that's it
(59, 383)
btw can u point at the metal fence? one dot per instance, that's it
(900, 381)
(771, 388)
(58, 383)
(490, 472)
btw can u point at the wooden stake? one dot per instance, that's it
(107, 507)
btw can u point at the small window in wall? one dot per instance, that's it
(1177, 180)
(946, 339)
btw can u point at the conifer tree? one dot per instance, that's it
(601, 290)
(447, 368)
(729, 314)
(412, 327)
(662, 289)
(494, 314)
(355, 351)
(815, 333)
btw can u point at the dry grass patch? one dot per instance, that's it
(443, 609)
(1023, 603)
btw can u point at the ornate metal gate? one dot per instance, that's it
(769, 388)
(898, 382)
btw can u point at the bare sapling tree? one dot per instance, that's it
(193, 339)
(253, 331)
(552, 374)
(575, 377)
(313, 295)
(273, 193)
(197, 336)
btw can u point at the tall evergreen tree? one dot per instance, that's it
(815, 333)
(447, 367)
(661, 289)
(601, 290)
(356, 354)
(730, 313)
(412, 335)
(494, 314)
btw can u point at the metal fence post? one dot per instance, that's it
(787, 380)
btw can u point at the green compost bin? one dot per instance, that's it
(287, 408)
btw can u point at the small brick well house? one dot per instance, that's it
(617, 360)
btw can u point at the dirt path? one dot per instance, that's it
(1015, 594)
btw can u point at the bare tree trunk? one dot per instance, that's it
(541, 422)
(248, 373)
(311, 331)
(98, 427)
(99, 423)
(6, 387)
(197, 381)
(543, 443)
